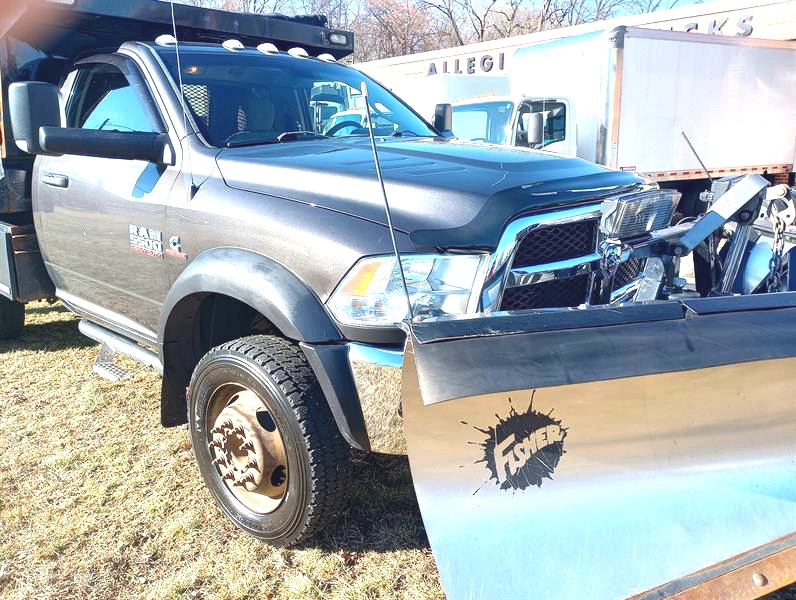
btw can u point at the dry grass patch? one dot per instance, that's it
(97, 500)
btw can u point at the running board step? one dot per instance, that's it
(113, 343)
(105, 366)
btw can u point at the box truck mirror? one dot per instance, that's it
(535, 130)
(33, 105)
(443, 118)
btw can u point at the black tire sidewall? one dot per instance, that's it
(226, 366)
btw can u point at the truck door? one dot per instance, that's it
(608, 452)
(558, 126)
(101, 220)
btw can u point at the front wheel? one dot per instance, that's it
(12, 319)
(265, 440)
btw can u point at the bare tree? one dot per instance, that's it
(388, 28)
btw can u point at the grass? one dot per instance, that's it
(97, 500)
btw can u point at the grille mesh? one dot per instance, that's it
(628, 271)
(199, 100)
(550, 294)
(557, 242)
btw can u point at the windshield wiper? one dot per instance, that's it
(297, 135)
(400, 133)
(287, 136)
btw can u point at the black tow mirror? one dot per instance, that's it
(149, 147)
(535, 129)
(33, 105)
(443, 119)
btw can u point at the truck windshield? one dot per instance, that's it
(483, 122)
(249, 98)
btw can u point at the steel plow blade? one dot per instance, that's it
(610, 452)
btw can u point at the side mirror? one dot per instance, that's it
(149, 147)
(33, 105)
(443, 117)
(535, 129)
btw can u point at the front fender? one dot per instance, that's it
(262, 283)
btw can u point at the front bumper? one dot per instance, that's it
(377, 376)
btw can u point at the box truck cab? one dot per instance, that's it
(538, 123)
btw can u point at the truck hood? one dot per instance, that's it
(443, 193)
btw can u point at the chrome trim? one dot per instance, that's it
(561, 269)
(627, 292)
(378, 375)
(498, 268)
(375, 356)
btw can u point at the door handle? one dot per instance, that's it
(55, 180)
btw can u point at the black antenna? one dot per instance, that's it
(386, 202)
(681, 131)
(194, 189)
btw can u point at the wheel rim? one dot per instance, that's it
(247, 449)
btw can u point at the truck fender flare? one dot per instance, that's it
(282, 298)
(262, 283)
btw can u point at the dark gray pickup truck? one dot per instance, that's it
(211, 208)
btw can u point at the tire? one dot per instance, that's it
(283, 504)
(12, 319)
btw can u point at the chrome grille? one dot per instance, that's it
(557, 242)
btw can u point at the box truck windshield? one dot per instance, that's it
(483, 121)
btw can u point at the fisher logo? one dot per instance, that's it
(523, 449)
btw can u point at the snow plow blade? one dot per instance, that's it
(642, 451)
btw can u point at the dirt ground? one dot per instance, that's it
(98, 501)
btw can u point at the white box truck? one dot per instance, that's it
(617, 98)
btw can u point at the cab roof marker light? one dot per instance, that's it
(233, 45)
(327, 58)
(340, 39)
(298, 52)
(166, 40)
(268, 48)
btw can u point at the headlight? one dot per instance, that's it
(634, 214)
(372, 293)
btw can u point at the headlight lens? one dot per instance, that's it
(372, 293)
